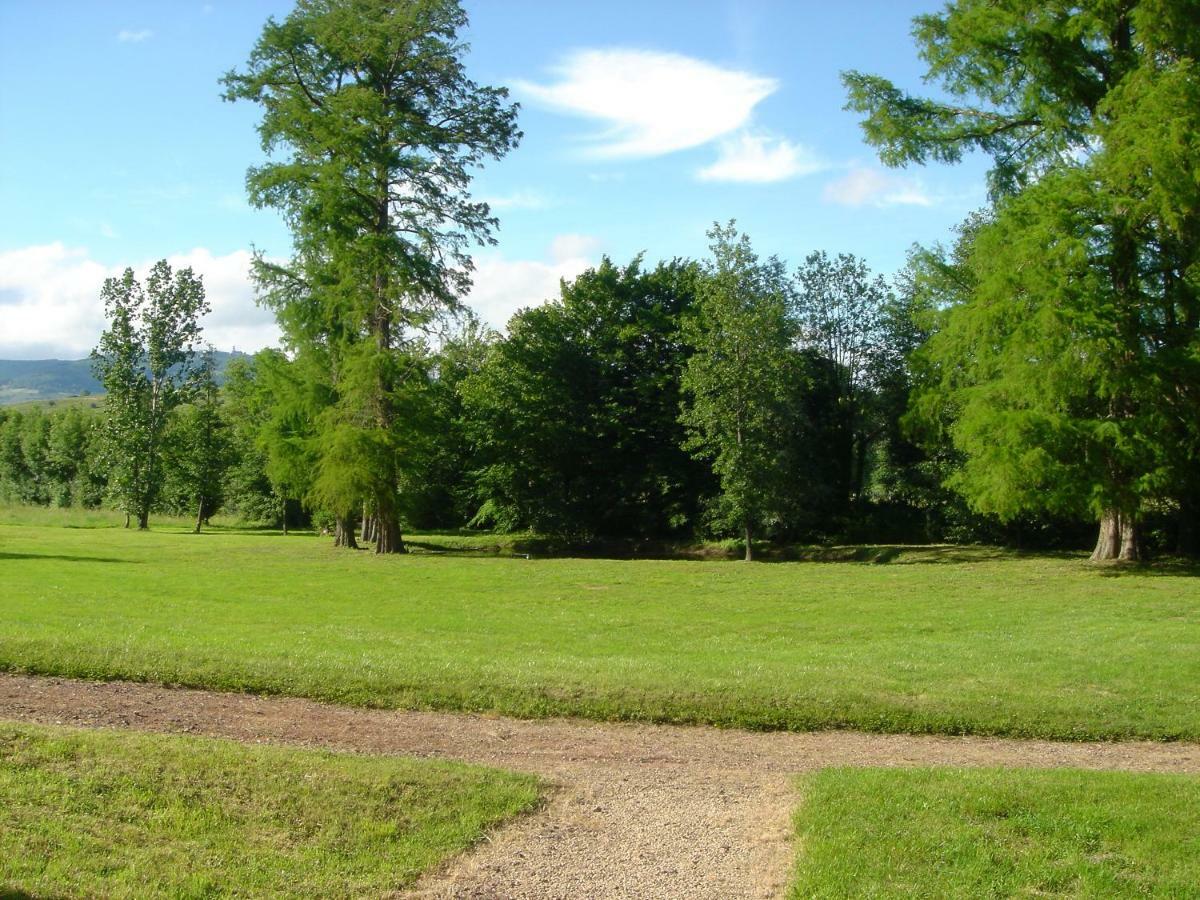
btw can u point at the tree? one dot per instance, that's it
(201, 448)
(840, 310)
(737, 381)
(575, 413)
(1083, 306)
(382, 129)
(146, 362)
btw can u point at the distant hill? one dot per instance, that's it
(25, 380)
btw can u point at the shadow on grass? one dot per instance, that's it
(894, 554)
(1174, 566)
(57, 557)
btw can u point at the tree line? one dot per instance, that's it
(1039, 375)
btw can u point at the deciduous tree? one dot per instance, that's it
(146, 360)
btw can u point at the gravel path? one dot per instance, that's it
(638, 810)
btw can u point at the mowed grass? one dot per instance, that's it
(994, 833)
(117, 814)
(947, 640)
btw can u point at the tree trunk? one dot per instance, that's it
(343, 533)
(370, 525)
(199, 517)
(1108, 544)
(1131, 540)
(1187, 540)
(749, 557)
(143, 520)
(387, 527)
(126, 518)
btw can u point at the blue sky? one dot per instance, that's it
(644, 122)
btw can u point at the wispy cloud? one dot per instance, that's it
(863, 186)
(760, 159)
(650, 103)
(134, 36)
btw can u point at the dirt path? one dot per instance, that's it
(640, 811)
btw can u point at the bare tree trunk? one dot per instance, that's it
(1108, 544)
(126, 518)
(143, 519)
(1131, 540)
(199, 517)
(343, 533)
(370, 525)
(749, 557)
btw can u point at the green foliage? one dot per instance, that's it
(575, 413)
(200, 449)
(1079, 303)
(121, 814)
(146, 362)
(737, 380)
(997, 833)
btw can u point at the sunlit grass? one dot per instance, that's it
(945, 640)
(112, 814)
(997, 833)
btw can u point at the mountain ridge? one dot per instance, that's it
(27, 380)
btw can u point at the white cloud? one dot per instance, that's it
(518, 200)
(132, 36)
(503, 286)
(875, 187)
(50, 301)
(760, 159)
(566, 247)
(651, 103)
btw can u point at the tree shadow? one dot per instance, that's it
(1173, 566)
(58, 557)
(616, 549)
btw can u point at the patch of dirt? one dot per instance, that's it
(638, 810)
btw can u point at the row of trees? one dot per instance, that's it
(1042, 371)
(724, 397)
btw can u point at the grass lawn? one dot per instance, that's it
(993, 833)
(950, 640)
(114, 814)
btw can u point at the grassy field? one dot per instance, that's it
(945, 640)
(992, 833)
(117, 814)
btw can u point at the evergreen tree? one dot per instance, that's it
(1084, 298)
(382, 129)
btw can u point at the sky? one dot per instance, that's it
(644, 122)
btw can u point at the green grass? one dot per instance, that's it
(112, 814)
(994, 833)
(943, 640)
